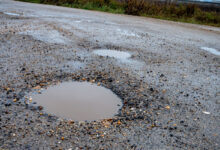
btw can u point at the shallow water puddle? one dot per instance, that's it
(112, 53)
(211, 50)
(79, 101)
(11, 14)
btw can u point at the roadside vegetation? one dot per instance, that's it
(190, 13)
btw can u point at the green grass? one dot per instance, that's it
(182, 13)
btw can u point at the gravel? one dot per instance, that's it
(169, 86)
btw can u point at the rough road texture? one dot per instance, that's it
(170, 87)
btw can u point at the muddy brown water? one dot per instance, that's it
(79, 101)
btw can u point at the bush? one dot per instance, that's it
(167, 10)
(134, 7)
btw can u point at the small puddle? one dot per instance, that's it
(79, 101)
(211, 50)
(112, 53)
(11, 14)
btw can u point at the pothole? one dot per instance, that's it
(79, 101)
(112, 53)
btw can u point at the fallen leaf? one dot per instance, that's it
(71, 122)
(164, 91)
(92, 81)
(37, 87)
(106, 124)
(42, 84)
(119, 122)
(167, 107)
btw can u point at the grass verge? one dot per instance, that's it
(189, 13)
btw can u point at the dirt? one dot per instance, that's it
(169, 86)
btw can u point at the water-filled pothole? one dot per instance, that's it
(79, 101)
(113, 53)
